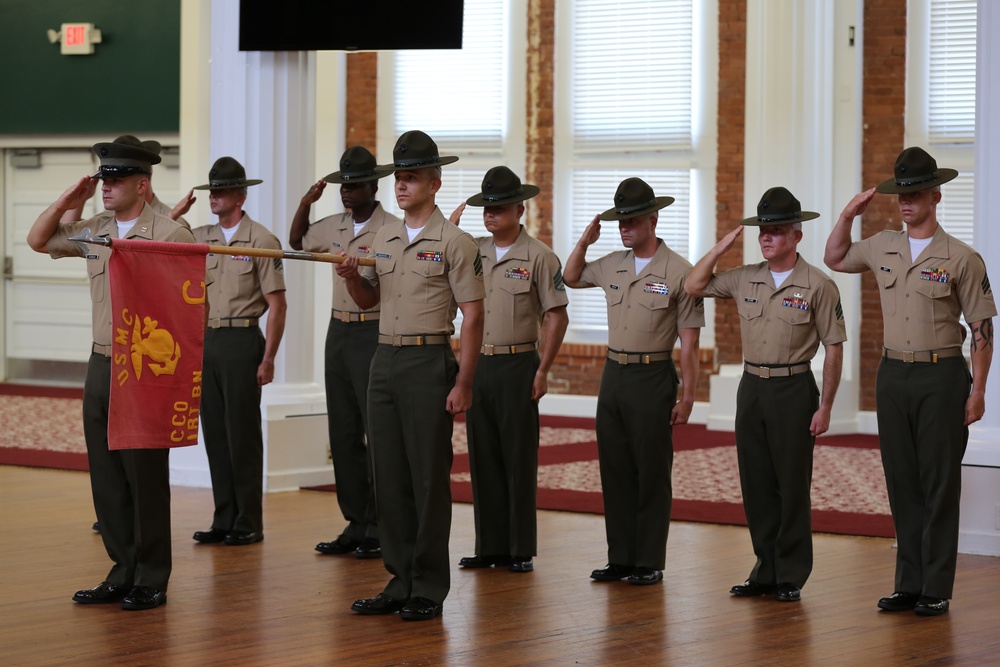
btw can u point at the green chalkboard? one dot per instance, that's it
(131, 83)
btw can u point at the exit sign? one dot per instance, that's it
(78, 38)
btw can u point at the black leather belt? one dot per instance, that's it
(233, 322)
(408, 341)
(626, 358)
(766, 372)
(347, 316)
(490, 350)
(922, 356)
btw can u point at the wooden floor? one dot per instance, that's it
(280, 603)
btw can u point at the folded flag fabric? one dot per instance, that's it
(158, 324)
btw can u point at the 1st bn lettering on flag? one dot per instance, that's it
(158, 329)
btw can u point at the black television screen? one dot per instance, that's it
(350, 25)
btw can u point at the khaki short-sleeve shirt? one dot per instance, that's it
(787, 324)
(646, 310)
(923, 300)
(240, 281)
(335, 233)
(520, 288)
(150, 226)
(421, 282)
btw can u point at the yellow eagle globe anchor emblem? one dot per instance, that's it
(156, 344)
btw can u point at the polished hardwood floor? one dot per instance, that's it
(281, 603)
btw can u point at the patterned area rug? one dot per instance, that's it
(848, 489)
(42, 428)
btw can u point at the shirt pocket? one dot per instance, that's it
(384, 268)
(652, 311)
(887, 291)
(934, 301)
(431, 286)
(749, 310)
(97, 271)
(514, 297)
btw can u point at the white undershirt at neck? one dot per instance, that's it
(412, 233)
(917, 246)
(641, 263)
(230, 233)
(358, 226)
(125, 226)
(780, 276)
(501, 251)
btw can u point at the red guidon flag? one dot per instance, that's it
(158, 325)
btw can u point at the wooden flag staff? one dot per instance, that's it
(243, 251)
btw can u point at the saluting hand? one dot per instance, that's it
(456, 216)
(314, 193)
(77, 194)
(858, 205)
(184, 205)
(592, 232)
(729, 240)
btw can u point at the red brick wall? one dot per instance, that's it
(729, 172)
(362, 84)
(883, 107)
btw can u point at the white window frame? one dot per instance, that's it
(700, 159)
(956, 211)
(472, 164)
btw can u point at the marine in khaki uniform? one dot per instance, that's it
(238, 359)
(525, 311)
(426, 269)
(925, 399)
(787, 308)
(176, 213)
(131, 487)
(351, 340)
(637, 402)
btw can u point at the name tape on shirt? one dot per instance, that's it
(749, 299)
(383, 255)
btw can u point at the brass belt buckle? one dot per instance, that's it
(622, 358)
(488, 350)
(908, 357)
(764, 372)
(397, 341)
(345, 316)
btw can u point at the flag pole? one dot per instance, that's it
(243, 251)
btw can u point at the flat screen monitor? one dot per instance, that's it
(350, 25)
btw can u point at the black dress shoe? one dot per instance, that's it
(104, 592)
(612, 572)
(144, 597)
(97, 526)
(521, 564)
(341, 545)
(645, 576)
(380, 604)
(750, 588)
(899, 601)
(788, 593)
(420, 609)
(369, 548)
(239, 538)
(472, 562)
(209, 536)
(928, 606)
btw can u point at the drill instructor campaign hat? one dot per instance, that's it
(125, 156)
(227, 173)
(778, 206)
(416, 150)
(357, 165)
(501, 186)
(633, 198)
(915, 170)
